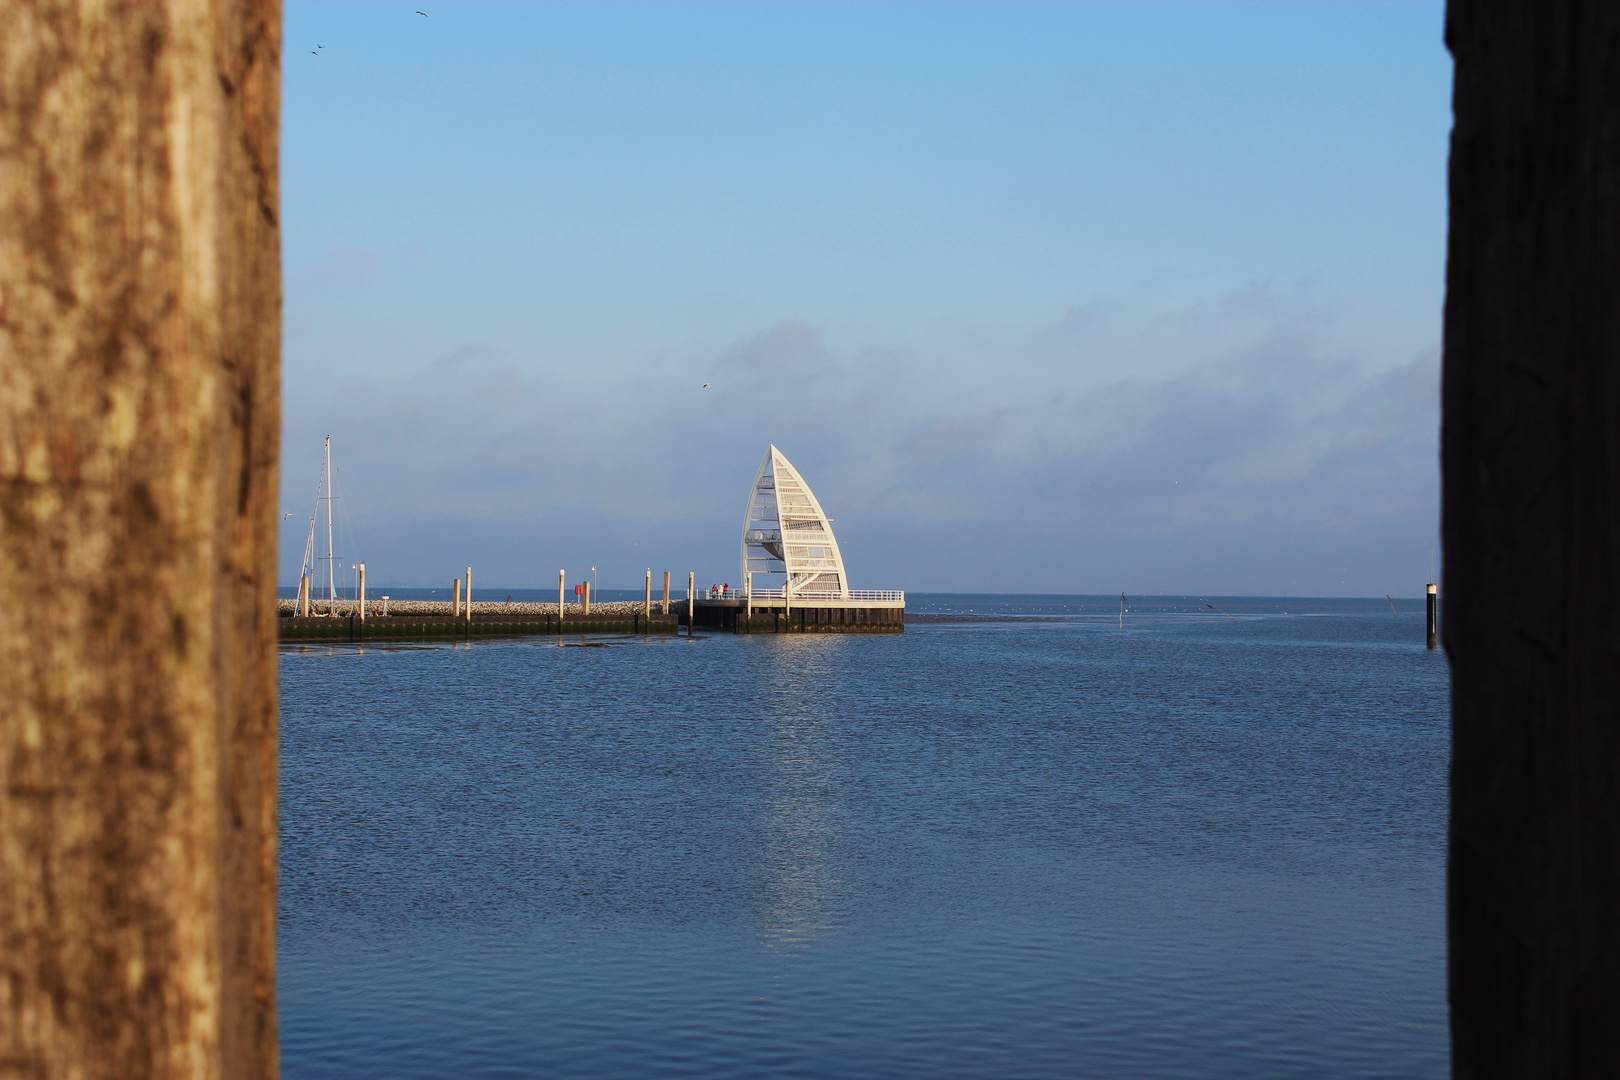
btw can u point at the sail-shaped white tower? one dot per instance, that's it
(785, 532)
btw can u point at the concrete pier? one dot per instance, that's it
(801, 616)
(409, 620)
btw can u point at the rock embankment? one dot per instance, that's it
(288, 608)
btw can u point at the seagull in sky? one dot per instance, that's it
(705, 386)
(422, 13)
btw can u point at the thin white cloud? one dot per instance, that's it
(1279, 438)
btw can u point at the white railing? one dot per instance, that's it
(888, 595)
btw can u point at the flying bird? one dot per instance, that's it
(705, 386)
(422, 13)
(288, 515)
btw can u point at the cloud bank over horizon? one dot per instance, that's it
(515, 381)
(1276, 467)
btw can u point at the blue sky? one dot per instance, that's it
(1071, 298)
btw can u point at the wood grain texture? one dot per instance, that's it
(1531, 520)
(139, 426)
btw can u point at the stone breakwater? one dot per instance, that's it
(374, 607)
(423, 619)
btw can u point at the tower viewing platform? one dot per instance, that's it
(792, 571)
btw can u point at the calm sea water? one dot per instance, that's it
(1030, 844)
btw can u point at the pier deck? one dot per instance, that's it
(808, 616)
(770, 615)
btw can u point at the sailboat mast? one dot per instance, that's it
(331, 563)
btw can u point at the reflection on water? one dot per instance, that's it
(801, 816)
(801, 797)
(356, 648)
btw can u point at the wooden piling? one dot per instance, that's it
(691, 585)
(303, 595)
(585, 598)
(360, 589)
(1530, 513)
(748, 591)
(646, 609)
(1434, 621)
(666, 592)
(455, 598)
(140, 417)
(469, 595)
(561, 576)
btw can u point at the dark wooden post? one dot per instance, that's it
(140, 314)
(1530, 445)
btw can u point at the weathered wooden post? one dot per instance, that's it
(140, 413)
(360, 588)
(1433, 620)
(1530, 515)
(748, 591)
(666, 592)
(646, 610)
(560, 605)
(691, 606)
(469, 596)
(455, 598)
(303, 596)
(585, 598)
